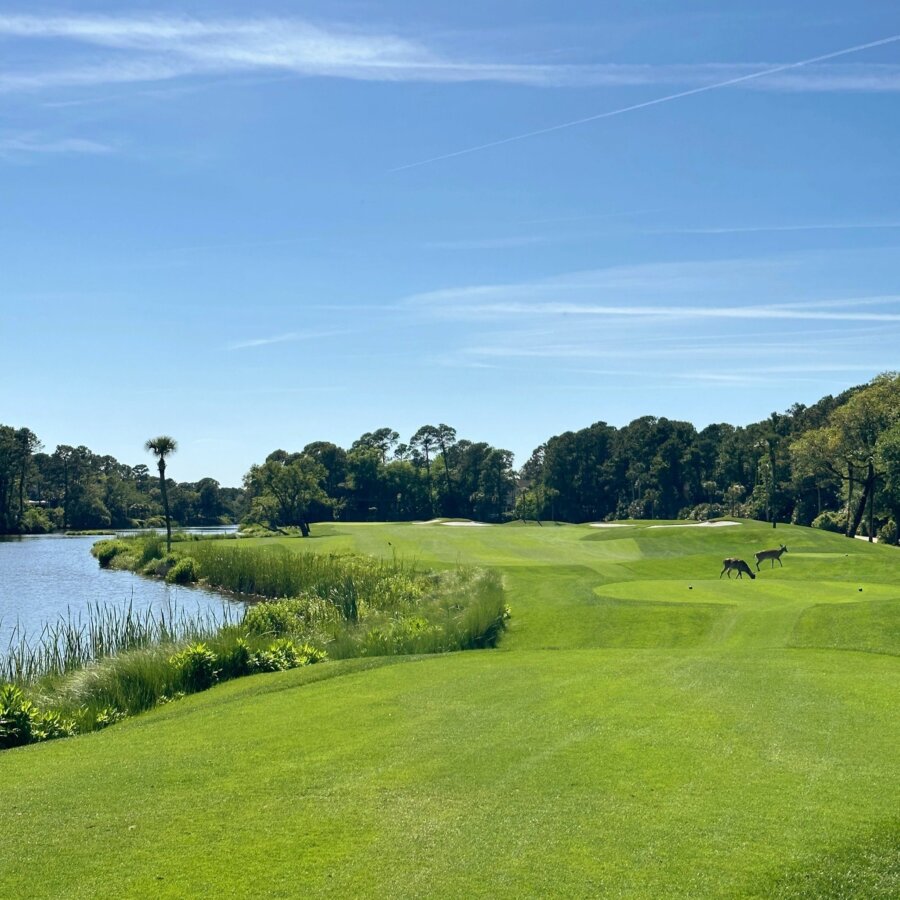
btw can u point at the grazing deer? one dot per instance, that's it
(771, 554)
(738, 565)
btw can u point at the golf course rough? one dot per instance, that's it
(645, 729)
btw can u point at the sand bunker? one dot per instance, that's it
(697, 525)
(457, 524)
(611, 525)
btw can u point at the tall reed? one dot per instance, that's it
(75, 640)
(346, 581)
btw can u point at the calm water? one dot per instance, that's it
(41, 578)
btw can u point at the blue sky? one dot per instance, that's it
(252, 226)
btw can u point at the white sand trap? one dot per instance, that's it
(610, 525)
(469, 524)
(697, 525)
(429, 522)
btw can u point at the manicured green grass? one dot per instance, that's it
(646, 729)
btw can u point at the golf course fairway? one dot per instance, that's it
(645, 729)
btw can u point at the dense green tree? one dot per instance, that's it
(365, 485)
(446, 440)
(286, 490)
(847, 447)
(17, 448)
(577, 474)
(209, 501)
(334, 459)
(425, 442)
(888, 454)
(382, 440)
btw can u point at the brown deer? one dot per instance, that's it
(738, 565)
(771, 554)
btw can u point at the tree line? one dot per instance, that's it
(835, 464)
(75, 488)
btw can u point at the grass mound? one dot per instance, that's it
(872, 626)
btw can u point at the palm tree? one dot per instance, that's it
(161, 447)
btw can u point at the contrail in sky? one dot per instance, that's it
(655, 102)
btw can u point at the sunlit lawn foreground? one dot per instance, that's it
(646, 729)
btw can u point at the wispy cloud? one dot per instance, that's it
(763, 229)
(692, 313)
(508, 347)
(621, 285)
(685, 318)
(690, 290)
(766, 374)
(566, 237)
(23, 145)
(287, 337)
(504, 243)
(159, 48)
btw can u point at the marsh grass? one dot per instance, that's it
(342, 579)
(77, 640)
(463, 609)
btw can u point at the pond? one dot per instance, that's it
(51, 576)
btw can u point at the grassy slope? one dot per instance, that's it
(646, 730)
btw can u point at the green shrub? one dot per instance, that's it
(163, 565)
(170, 698)
(831, 521)
(51, 724)
(106, 716)
(233, 655)
(17, 717)
(151, 547)
(150, 567)
(887, 534)
(21, 722)
(195, 667)
(285, 654)
(703, 512)
(107, 551)
(297, 615)
(36, 521)
(183, 572)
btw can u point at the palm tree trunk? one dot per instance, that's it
(165, 500)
